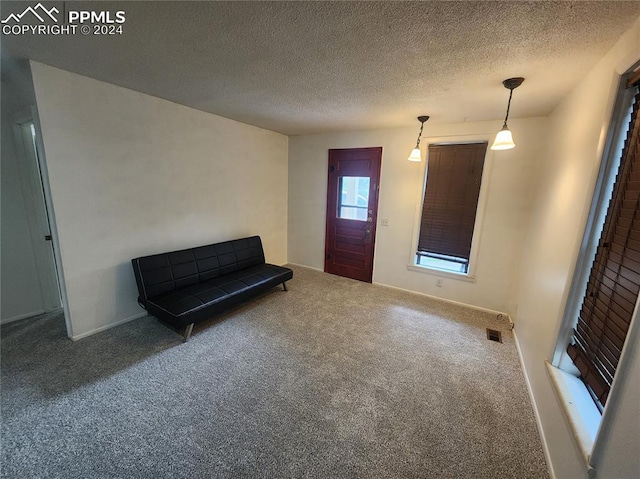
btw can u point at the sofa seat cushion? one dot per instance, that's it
(217, 294)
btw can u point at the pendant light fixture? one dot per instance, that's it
(415, 153)
(504, 140)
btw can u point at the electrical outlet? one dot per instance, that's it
(384, 221)
(439, 283)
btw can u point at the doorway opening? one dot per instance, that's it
(38, 213)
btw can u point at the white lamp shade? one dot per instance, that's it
(504, 140)
(415, 155)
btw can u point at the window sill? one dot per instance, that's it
(445, 274)
(582, 414)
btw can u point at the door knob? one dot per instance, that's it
(367, 234)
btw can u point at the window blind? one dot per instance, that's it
(614, 279)
(451, 199)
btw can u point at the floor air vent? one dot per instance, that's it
(493, 335)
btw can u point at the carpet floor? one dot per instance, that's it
(333, 379)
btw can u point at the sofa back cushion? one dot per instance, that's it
(162, 273)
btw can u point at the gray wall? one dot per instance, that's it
(132, 175)
(20, 289)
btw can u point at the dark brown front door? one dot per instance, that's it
(352, 211)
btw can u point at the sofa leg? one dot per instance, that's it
(187, 333)
(284, 286)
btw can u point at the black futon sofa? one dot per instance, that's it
(184, 287)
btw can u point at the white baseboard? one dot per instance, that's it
(451, 301)
(23, 316)
(305, 266)
(536, 412)
(108, 326)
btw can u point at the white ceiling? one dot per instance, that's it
(309, 67)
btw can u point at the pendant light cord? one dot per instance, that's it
(508, 106)
(419, 135)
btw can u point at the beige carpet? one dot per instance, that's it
(332, 379)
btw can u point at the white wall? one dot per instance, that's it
(20, 289)
(133, 175)
(565, 184)
(506, 180)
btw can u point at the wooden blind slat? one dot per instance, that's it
(596, 317)
(604, 352)
(598, 321)
(634, 79)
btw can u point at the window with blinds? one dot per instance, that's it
(614, 279)
(452, 189)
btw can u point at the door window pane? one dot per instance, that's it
(353, 202)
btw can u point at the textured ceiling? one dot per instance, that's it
(308, 67)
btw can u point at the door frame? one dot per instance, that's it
(52, 283)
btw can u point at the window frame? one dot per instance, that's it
(591, 437)
(470, 275)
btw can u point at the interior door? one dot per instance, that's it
(37, 216)
(352, 211)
